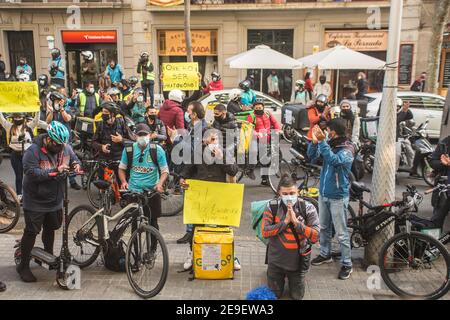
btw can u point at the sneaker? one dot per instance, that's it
(188, 263)
(345, 273)
(75, 186)
(25, 274)
(265, 182)
(319, 260)
(251, 174)
(187, 238)
(237, 264)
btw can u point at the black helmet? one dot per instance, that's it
(43, 80)
(55, 53)
(245, 85)
(18, 115)
(125, 83)
(215, 74)
(56, 96)
(110, 106)
(133, 81)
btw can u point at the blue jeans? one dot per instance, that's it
(189, 227)
(334, 212)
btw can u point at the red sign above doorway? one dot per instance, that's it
(100, 36)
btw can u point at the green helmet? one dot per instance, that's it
(58, 132)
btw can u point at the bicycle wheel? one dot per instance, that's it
(94, 195)
(414, 265)
(314, 202)
(82, 251)
(172, 200)
(9, 208)
(428, 173)
(147, 261)
(274, 179)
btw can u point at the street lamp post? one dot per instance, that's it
(383, 180)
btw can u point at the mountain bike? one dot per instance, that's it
(146, 259)
(109, 167)
(9, 208)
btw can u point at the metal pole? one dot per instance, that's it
(336, 102)
(383, 179)
(260, 81)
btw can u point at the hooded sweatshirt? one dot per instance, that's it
(172, 115)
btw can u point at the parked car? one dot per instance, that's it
(424, 106)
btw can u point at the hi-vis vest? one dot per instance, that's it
(83, 99)
(124, 97)
(150, 75)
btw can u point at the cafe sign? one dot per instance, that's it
(358, 40)
(175, 43)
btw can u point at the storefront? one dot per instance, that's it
(172, 48)
(102, 43)
(370, 42)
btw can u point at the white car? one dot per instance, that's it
(222, 96)
(424, 106)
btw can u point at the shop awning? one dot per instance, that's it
(342, 58)
(262, 57)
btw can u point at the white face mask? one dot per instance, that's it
(213, 146)
(143, 141)
(290, 199)
(91, 90)
(140, 99)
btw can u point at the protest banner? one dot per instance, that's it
(182, 76)
(19, 96)
(213, 203)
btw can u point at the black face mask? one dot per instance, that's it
(322, 81)
(18, 122)
(218, 118)
(320, 108)
(347, 114)
(152, 117)
(105, 117)
(54, 149)
(259, 112)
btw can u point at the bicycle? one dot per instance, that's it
(90, 236)
(94, 194)
(172, 199)
(9, 208)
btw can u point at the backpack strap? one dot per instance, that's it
(274, 205)
(129, 151)
(291, 226)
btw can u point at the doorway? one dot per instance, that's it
(21, 44)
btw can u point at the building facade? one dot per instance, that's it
(121, 29)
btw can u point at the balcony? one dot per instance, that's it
(63, 4)
(242, 5)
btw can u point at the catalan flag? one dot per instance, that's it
(166, 3)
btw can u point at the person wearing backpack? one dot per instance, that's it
(292, 226)
(264, 122)
(146, 165)
(20, 136)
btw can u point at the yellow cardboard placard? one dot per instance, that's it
(180, 75)
(213, 203)
(19, 96)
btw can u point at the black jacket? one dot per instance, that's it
(234, 107)
(42, 193)
(403, 116)
(103, 136)
(443, 147)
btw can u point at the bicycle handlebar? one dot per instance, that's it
(444, 187)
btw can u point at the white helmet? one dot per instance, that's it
(399, 102)
(23, 77)
(235, 93)
(88, 55)
(176, 95)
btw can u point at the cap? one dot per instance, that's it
(142, 128)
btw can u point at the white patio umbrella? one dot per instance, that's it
(262, 57)
(341, 58)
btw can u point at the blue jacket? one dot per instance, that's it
(337, 166)
(114, 74)
(60, 74)
(248, 98)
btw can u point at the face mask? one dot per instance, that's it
(140, 99)
(215, 79)
(56, 106)
(211, 147)
(346, 114)
(91, 90)
(105, 117)
(143, 141)
(289, 199)
(218, 118)
(152, 116)
(42, 83)
(21, 63)
(322, 81)
(54, 149)
(112, 66)
(259, 112)
(320, 108)
(18, 122)
(187, 118)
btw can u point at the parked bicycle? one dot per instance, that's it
(9, 208)
(146, 256)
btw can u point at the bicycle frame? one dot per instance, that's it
(109, 176)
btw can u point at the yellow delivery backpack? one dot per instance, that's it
(213, 253)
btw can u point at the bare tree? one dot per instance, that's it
(440, 21)
(187, 30)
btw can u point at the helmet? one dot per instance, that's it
(139, 90)
(322, 98)
(113, 91)
(58, 132)
(176, 95)
(110, 106)
(87, 54)
(43, 80)
(18, 115)
(399, 102)
(245, 85)
(215, 74)
(55, 53)
(55, 95)
(145, 54)
(133, 81)
(23, 77)
(235, 93)
(300, 83)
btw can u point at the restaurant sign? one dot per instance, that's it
(358, 40)
(176, 43)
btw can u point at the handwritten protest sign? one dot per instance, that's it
(19, 96)
(182, 76)
(213, 203)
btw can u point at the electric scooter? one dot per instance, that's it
(66, 272)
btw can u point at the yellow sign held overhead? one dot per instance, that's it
(182, 76)
(213, 203)
(19, 96)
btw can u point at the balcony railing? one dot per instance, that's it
(80, 2)
(218, 2)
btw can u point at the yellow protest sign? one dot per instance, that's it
(19, 96)
(181, 75)
(213, 203)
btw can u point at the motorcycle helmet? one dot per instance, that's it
(43, 80)
(58, 132)
(55, 53)
(23, 77)
(245, 85)
(113, 92)
(133, 81)
(87, 55)
(176, 95)
(111, 107)
(215, 75)
(300, 83)
(145, 54)
(54, 96)
(235, 94)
